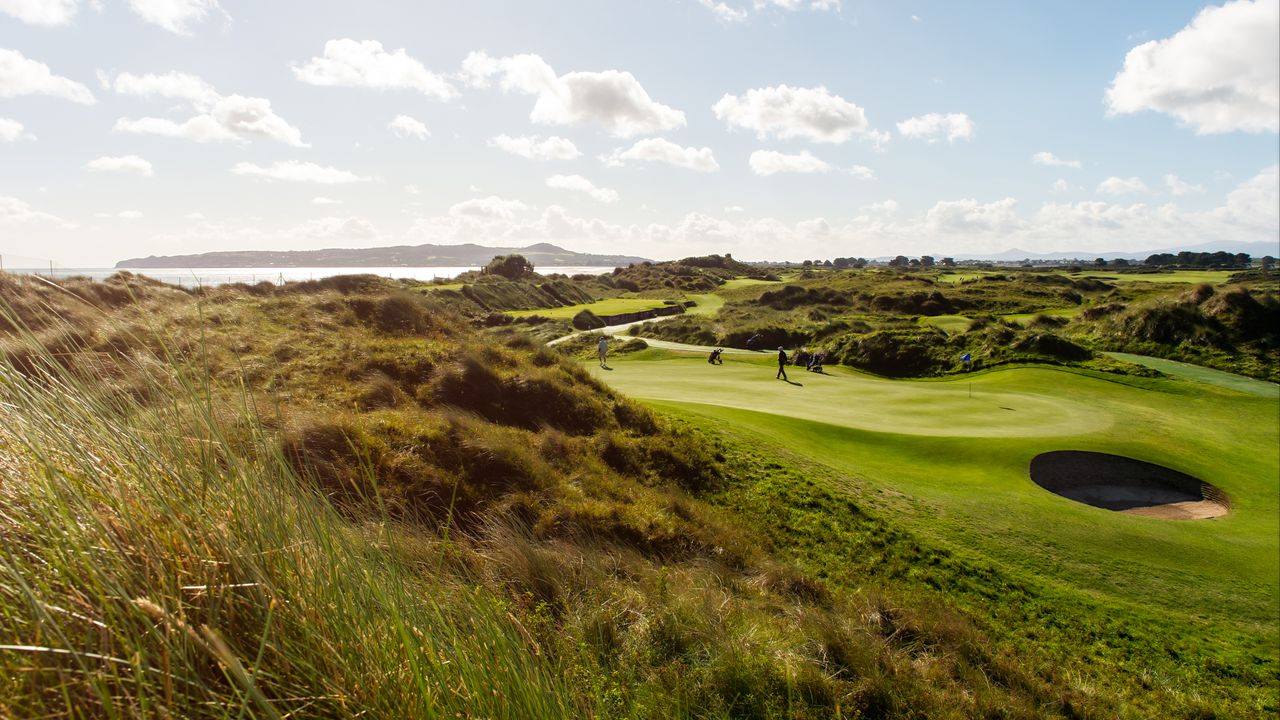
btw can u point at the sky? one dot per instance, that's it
(769, 129)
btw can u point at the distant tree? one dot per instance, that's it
(858, 262)
(1268, 262)
(948, 262)
(511, 267)
(840, 262)
(826, 263)
(899, 261)
(913, 263)
(1100, 262)
(807, 263)
(926, 261)
(1120, 262)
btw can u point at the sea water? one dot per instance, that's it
(194, 277)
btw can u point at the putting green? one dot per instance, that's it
(986, 406)
(955, 468)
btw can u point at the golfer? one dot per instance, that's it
(603, 350)
(782, 364)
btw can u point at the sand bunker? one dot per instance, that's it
(1126, 485)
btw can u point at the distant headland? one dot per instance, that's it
(541, 255)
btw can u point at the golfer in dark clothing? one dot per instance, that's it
(715, 357)
(782, 364)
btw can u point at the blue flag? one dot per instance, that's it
(965, 358)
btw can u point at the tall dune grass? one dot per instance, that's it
(164, 561)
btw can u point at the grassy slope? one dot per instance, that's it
(955, 468)
(785, 600)
(612, 306)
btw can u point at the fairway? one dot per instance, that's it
(950, 458)
(612, 306)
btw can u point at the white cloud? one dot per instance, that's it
(965, 227)
(201, 128)
(1254, 204)
(12, 131)
(553, 148)
(1060, 186)
(412, 189)
(931, 127)
(488, 208)
(769, 162)
(16, 212)
(356, 63)
(879, 139)
(20, 76)
(294, 171)
(173, 85)
(1122, 186)
(794, 5)
(325, 201)
(970, 216)
(724, 13)
(786, 112)
(129, 215)
(41, 12)
(577, 183)
(613, 99)
(662, 150)
(253, 116)
(220, 119)
(1219, 74)
(176, 16)
(734, 209)
(317, 232)
(884, 207)
(862, 172)
(405, 126)
(1048, 158)
(1178, 187)
(130, 164)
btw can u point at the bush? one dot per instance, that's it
(587, 320)
(511, 267)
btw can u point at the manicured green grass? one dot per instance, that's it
(1213, 277)
(963, 276)
(947, 323)
(960, 323)
(612, 306)
(954, 469)
(1248, 385)
(707, 304)
(736, 283)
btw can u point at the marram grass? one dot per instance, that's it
(149, 568)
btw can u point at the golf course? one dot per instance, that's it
(949, 459)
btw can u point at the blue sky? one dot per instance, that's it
(772, 129)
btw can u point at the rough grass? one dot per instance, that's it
(412, 518)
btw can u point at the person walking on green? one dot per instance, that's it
(782, 364)
(603, 350)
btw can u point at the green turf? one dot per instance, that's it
(1213, 277)
(959, 277)
(612, 306)
(1260, 388)
(954, 468)
(960, 323)
(947, 323)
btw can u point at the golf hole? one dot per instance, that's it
(1114, 482)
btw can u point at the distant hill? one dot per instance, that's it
(541, 255)
(1255, 249)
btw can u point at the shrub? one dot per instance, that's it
(587, 320)
(511, 267)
